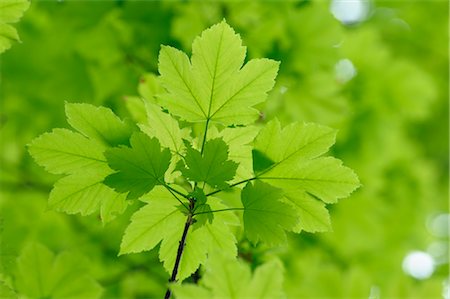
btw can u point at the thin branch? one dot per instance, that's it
(181, 246)
(231, 186)
(222, 210)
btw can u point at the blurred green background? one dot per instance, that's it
(375, 70)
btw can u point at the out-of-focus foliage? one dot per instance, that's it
(382, 82)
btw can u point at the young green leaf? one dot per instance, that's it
(312, 213)
(162, 220)
(85, 193)
(265, 216)
(213, 86)
(213, 167)
(230, 278)
(164, 127)
(64, 152)
(239, 141)
(139, 168)
(82, 157)
(294, 151)
(152, 223)
(98, 123)
(10, 12)
(42, 275)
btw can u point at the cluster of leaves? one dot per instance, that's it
(384, 121)
(392, 94)
(179, 175)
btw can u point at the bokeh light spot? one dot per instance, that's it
(418, 264)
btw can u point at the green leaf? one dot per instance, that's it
(213, 167)
(162, 220)
(8, 35)
(42, 275)
(240, 149)
(312, 213)
(190, 291)
(260, 161)
(85, 193)
(226, 277)
(152, 223)
(296, 167)
(98, 123)
(265, 216)
(216, 233)
(149, 87)
(140, 167)
(212, 85)
(201, 240)
(164, 127)
(64, 152)
(267, 281)
(10, 12)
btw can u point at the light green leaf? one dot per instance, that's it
(64, 152)
(162, 220)
(213, 167)
(267, 281)
(201, 240)
(212, 86)
(136, 108)
(190, 291)
(98, 123)
(294, 151)
(216, 233)
(265, 216)
(152, 223)
(149, 87)
(42, 275)
(140, 167)
(295, 141)
(226, 277)
(239, 149)
(85, 193)
(8, 35)
(34, 265)
(10, 12)
(312, 213)
(164, 127)
(112, 205)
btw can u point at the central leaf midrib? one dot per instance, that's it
(211, 97)
(70, 153)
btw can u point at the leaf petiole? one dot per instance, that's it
(173, 191)
(221, 210)
(231, 186)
